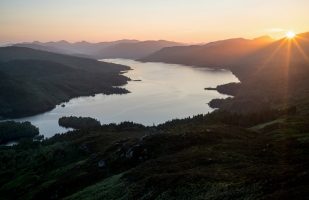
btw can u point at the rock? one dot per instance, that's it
(102, 164)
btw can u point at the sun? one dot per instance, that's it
(290, 34)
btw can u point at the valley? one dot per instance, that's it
(154, 100)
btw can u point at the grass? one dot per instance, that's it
(185, 159)
(111, 188)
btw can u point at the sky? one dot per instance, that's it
(189, 21)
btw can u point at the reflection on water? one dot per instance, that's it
(165, 92)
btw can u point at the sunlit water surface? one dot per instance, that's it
(165, 92)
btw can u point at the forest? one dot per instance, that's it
(198, 158)
(13, 131)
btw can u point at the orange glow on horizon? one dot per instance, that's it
(191, 22)
(290, 35)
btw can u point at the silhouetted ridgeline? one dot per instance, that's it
(268, 78)
(14, 131)
(219, 54)
(132, 49)
(35, 81)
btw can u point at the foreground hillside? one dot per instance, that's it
(35, 81)
(216, 156)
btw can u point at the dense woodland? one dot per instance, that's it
(78, 122)
(14, 131)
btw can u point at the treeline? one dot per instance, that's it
(79, 122)
(13, 131)
(90, 123)
(229, 118)
(123, 126)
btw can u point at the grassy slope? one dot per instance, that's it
(216, 162)
(207, 157)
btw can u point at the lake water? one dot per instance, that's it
(165, 92)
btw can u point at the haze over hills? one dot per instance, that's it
(274, 75)
(135, 50)
(34, 81)
(214, 54)
(267, 69)
(132, 49)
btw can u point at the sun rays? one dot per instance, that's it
(287, 56)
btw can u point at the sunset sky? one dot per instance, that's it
(190, 21)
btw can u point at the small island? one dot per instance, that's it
(11, 131)
(79, 122)
(228, 89)
(210, 88)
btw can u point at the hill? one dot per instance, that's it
(35, 81)
(217, 54)
(134, 50)
(215, 156)
(77, 48)
(275, 76)
(116, 49)
(272, 73)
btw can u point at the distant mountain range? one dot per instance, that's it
(131, 49)
(217, 54)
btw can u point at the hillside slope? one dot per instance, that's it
(216, 156)
(276, 76)
(273, 73)
(35, 81)
(217, 54)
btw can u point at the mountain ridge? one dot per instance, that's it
(100, 50)
(260, 64)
